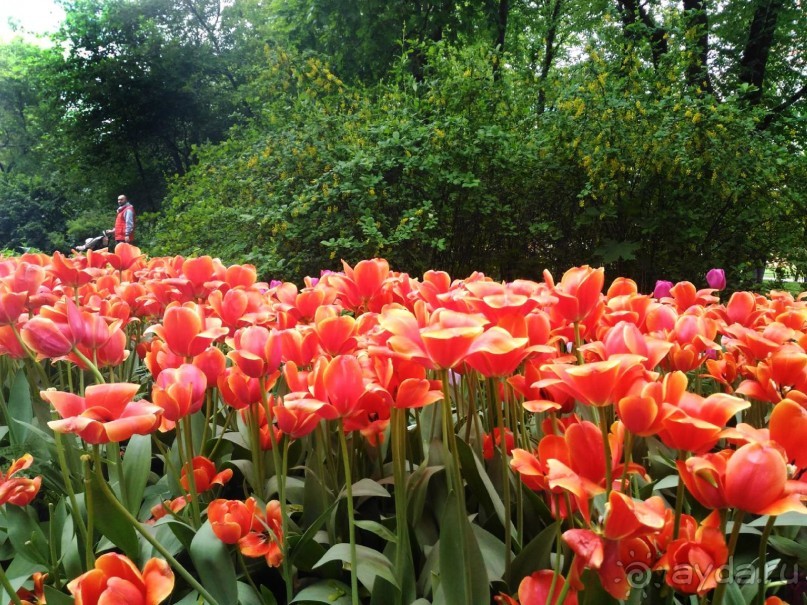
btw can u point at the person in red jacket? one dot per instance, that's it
(124, 221)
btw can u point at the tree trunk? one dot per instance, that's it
(696, 18)
(760, 39)
(549, 53)
(634, 15)
(501, 32)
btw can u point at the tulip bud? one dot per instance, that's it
(662, 289)
(716, 278)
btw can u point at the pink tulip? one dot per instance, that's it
(716, 278)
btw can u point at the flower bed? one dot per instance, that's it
(179, 432)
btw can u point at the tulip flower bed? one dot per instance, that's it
(178, 432)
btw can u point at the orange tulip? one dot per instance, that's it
(496, 353)
(694, 563)
(257, 351)
(265, 542)
(695, 424)
(298, 415)
(69, 271)
(9, 343)
(12, 305)
(600, 383)
(106, 413)
(37, 597)
(535, 590)
(115, 579)
(449, 336)
(185, 330)
(125, 256)
(626, 338)
(360, 288)
(788, 425)
(204, 475)
(45, 338)
(19, 491)
(238, 390)
(579, 294)
(231, 520)
(705, 478)
(179, 391)
(158, 511)
(756, 481)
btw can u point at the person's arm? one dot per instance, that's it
(128, 217)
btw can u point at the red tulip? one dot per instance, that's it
(493, 440)
(106, 413)
(579, 294)
(115, 579)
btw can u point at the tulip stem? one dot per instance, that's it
(628, 447)
(257, 452)
(354, 583)
(186, 430)
(566, 586)
(508, 536)
(735, 535)
(763, 554)
(8, 588)
(402, 547)
(679, 499)
(114, 448)
(78, 520)
(578, 342)
(606, 445)
(89, 544)
(280, 476)
(93, 368)
(186, 575)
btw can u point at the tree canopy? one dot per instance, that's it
(658, 139)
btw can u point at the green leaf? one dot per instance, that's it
(247, 595)
(534, 556)
(463, 577)
(136, 468)
(733, 595)
(299, 549)
(26, 535)
(368, 488)
(111, 522)
(791, 519)
(492, 552)
(20, 408)
(326, 591)
(54, 597)
(789, 547)
(214, 566)
(18, 572)
(378, 529)
(478, 480)
(370, 563)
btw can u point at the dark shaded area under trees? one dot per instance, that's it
(658, 139)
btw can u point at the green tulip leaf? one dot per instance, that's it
(214, 566)
(136, 468)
